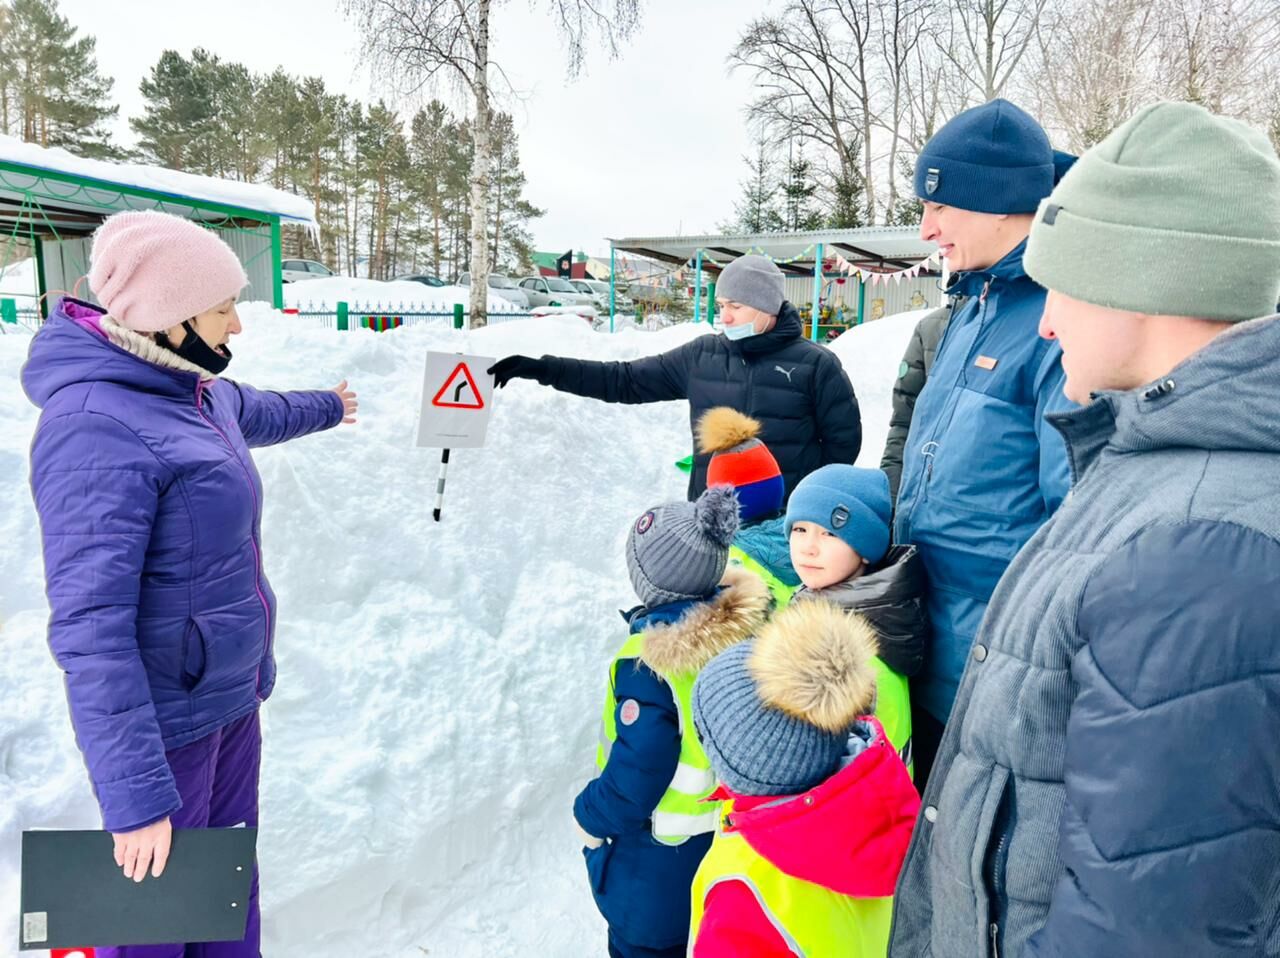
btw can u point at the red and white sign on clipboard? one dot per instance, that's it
(457, 401)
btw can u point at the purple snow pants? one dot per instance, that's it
(217, 777)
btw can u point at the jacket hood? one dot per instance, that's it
(891, 598)
(708, 628)
(766, 542)
(786, 330)
(1223, 398)
(1008, 270)
(849, 834)
(80, 344)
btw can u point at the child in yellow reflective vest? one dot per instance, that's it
(837, 523)
(644, 822)
(817, 804)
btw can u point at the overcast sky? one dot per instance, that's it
(645, 145)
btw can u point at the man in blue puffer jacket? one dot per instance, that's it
(981, 471)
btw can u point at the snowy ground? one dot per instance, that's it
(19, 281)
(439, 684)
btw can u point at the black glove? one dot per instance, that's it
(517, 367)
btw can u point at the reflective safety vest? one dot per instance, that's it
(813, 920)
(681, 813)
(780, 591)
(893, 709)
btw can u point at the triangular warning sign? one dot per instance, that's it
(454, 393)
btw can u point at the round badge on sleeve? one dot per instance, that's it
(629, 712)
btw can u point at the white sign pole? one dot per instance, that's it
(444, 470)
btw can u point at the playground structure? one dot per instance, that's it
(51, 201)
(842, 270)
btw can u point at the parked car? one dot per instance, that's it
(503, 287)
(553, 291)
(295, 270)
(426, 279)
(600, 290)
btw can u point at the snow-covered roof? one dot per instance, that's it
(181, 188)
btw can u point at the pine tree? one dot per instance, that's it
(799, 190)
(51, 89)
(383, 145)
(509, 238)
(431, 129)
(174, 129)
(757, 212)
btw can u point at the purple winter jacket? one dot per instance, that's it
(150, 508)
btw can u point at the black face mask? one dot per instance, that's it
(195, 350)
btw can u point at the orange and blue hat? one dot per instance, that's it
(740, 459)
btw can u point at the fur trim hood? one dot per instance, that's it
(735, 614)
(814, 663)
(146, 348)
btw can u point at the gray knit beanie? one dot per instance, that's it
(753, 281)
(1175, 213)
(774, 713)
(679, 551)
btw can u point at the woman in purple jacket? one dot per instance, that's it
(151, 510)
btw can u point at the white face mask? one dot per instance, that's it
(741, 331)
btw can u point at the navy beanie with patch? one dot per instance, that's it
(993, 158)
(853, 504)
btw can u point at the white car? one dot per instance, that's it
(600, 290)
(296, 270)
(553, 291)
(502, 287)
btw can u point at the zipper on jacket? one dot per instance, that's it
(253, 538)
(931, 447)
(997, 862)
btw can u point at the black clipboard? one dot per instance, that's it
(74, 895)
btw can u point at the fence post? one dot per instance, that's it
(697, 291)
(342, 316)
(458, 316)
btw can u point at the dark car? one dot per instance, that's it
(426, 279)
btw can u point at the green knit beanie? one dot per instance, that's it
(1176, 213)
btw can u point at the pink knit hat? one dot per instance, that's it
(151, 271)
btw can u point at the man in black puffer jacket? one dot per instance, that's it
(761, 366)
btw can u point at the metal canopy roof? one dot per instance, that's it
(877, 248)
(52, 203)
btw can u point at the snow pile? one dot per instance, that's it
(251, 196)
(871, 355)
(440, 684)
(19, 281)
(392, 294)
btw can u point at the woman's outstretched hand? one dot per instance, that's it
(349, 403)
(144, 848)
